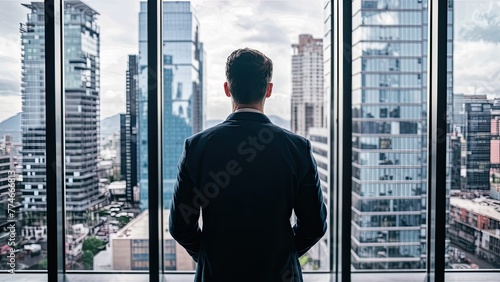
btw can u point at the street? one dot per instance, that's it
(475, 259)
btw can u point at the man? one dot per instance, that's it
(247, 175)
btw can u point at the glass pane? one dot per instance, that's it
(473, 232)
(197, 39)
(105, 229)
(389, 132)
(23, 234)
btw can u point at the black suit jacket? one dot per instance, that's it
(246, 175)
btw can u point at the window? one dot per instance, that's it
(381, 188)
(473, 224)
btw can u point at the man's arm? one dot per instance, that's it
(310, 209)
(184, 212)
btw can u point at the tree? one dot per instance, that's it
(88, 260)
(122, 221)
(42, 264)
(93, 245)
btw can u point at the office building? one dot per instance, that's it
(495, 137)
(6, 169)
(82, 90)
(458, 113)
(320, 145)
(307, 84)
(183, 101)
(475, 226)
(131, 128)
(123, 146)
(477, 136)
(389, 134)
(455, 161)
(128, 248)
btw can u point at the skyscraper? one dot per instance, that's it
(82, 90)
(33, 122)
(183, 91)
(389, 100)
(131, 128)
(477, 136)
(320, 147)
(123, 146)
(307, 84)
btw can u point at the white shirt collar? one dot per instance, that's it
(248, 110)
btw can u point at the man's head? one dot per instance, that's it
(248, 75)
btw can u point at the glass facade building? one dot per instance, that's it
(320, 146)
(389, 133)
(183, 96)
(478, 140)
(33, 188)
(131, 129)
(82, 90)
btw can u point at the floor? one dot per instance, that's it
(308, 277)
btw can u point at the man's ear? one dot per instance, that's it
(226, 89)
(269, 90)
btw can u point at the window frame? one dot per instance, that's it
(340, 121)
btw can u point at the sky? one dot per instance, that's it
(270, 26)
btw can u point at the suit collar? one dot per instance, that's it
(248, 116)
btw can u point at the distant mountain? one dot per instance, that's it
(279, 121)
(12, 126)
(110, 125)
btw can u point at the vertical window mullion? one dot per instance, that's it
(344, 98)
(333, 127)
(438, 137)
(54, 138)
(154, 46)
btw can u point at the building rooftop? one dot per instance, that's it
(117, 185)
(483, 206)
(138, 228)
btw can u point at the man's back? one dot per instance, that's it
(247, 175)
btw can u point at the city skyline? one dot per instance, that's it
(389, 118)
(272, 32)
(473, 30)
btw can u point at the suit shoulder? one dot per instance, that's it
(204, 133)
(294, 137)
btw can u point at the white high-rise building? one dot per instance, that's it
(307, 84)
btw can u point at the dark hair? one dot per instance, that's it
(248, 72)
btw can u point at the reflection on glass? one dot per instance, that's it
(474, 147)
(389, 159)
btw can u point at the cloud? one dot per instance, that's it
(9, 106)
(11, 14)
(477, 41)
(481, 23)
(270, 26)
(9, 87)
(476, 68)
